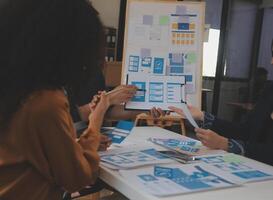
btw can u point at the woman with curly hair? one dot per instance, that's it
(46, 46)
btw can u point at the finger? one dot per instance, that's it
(157, 113)
(205, 143)
(202, 131)
(154, 112)
(177, 110)
(202, 136)
(160, 112)
(132, 87)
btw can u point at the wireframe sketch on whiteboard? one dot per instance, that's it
(162, 41)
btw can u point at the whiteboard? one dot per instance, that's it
(163, 40)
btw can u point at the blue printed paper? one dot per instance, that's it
(238, 168)
(173, 179)
(186, 146)
(120, 132)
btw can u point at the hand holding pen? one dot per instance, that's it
(120, 94)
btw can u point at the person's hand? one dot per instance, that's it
(195, 112)
(105, 142)
(211, 139)
(158, 112)
(95, 100)
(121, 94)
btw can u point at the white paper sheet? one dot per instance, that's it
(175, 179)
(188, 115)
(125, 158)
(238, 168)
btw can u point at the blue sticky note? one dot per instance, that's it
(158, 65)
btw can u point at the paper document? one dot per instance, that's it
(126, 158)
(173, 179)
(188, 115)
(185, 145)
(238, 168)
(120, 132)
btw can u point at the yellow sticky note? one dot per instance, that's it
(175, 26)
(192, 26)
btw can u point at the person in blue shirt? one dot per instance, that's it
(252, 138)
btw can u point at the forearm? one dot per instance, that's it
(96, 118)
(223, 127)
(84, 112)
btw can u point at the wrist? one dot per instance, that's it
(224, 144)
(201, 116)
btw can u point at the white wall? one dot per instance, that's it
(109, 11)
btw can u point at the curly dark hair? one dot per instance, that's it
(46, 44)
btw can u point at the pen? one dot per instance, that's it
(113, 91)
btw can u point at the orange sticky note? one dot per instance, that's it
(192, 26)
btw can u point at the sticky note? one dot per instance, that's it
(175, 26)
(148, 20)
(144, 52)
(192, 26)
(181, 10)
(191, 58)
(164, 20)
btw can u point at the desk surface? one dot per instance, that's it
(250, 191)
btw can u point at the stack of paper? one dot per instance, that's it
(185, 145)
(126, 158)
(173, 179)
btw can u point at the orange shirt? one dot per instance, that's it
(39, 155)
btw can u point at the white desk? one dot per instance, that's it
(250, 191)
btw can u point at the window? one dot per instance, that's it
(240, 38)
(212, 34)
(265, 45)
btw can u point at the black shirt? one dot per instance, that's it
(256, 132)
